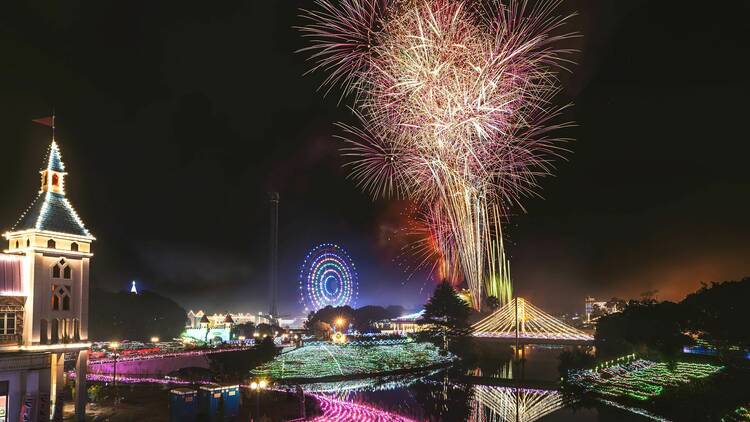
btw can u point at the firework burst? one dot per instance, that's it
(454, 102)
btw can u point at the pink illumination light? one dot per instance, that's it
(337, 410)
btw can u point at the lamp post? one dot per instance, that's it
(257, 387)
(113, 346)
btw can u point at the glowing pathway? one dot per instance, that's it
(520, 317)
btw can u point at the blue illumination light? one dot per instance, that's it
(327, 277)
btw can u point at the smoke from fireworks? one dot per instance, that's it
(454, 100)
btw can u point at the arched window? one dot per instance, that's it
(60, 297)
(43, 335)
(51, 244)
(65, 330)
(28, 243)
(55, 180)
(62, 270)
(74, 247)
(76, 330)
(55, 331)
(17, 244)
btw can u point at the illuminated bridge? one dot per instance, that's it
(520, 320)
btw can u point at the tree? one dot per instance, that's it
(597, 311)
(264, 330)
(446, 314)
(719, 311)
(128, 316)
(644, 327)
(649, 296)
(492, 303)
(616, 304)
(245, 330)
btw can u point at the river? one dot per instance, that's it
(511, 391)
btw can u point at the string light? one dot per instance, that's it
(328, 277)
(53, 199)
(338, 410)
(639, 379)
(167, 355)
(328, 360)
(532, 323)
(369, 384)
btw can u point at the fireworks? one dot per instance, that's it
(328, 277)
(454, 102)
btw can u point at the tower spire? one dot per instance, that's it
(273, 255)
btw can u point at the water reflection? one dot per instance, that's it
(339, 410)
(433, 396)
(512, 404)
(502, 390)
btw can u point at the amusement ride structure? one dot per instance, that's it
(327, 277)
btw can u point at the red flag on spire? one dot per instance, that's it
(48, 121)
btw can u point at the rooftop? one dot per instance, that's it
(51, 210)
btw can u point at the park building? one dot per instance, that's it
(44, 283)
(217, 319)
(217, 328)
(405, 324)
(596, 308)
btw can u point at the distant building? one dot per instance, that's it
(218, 327)
(594, 308)
(44, 283)
(218, 319)
(295, 323)
(402, 325)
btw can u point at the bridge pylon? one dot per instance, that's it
(519, 319)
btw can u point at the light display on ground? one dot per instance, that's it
(327, 277)
(343, 411)
(506, 404)
(199, 352)
(637, 411)
(519, 315)
(640, 379)
(741, 413)
(329, 360)
(381, 383)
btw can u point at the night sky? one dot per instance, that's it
(176, 119)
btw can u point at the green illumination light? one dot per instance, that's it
(326, 359)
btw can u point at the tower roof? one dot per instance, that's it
(51, 211)
(54, 159)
